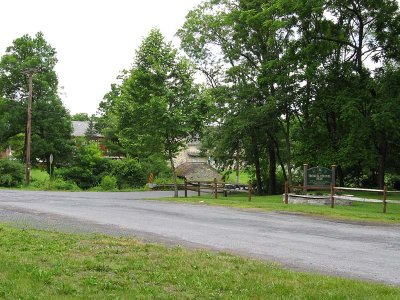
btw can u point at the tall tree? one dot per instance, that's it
(159, 108)
(81, 117)
(51, 124)
(310, 66)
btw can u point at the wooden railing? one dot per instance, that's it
(216, 187)
(333, 194)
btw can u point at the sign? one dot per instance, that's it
(151, 178)
(51, 159)
(319, 176)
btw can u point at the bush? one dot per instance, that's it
(40, 179)
(156, 165)
(129, 173)
(108, 183)
(61, 185)
(11, 173)
(82, 177)
(392, 181)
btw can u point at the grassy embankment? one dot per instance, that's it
(40, 181)
(47, 265)
(370, 212)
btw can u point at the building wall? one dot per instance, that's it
(5, 154)
(190, 155)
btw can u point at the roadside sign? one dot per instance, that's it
(319, 176)
(151, 178)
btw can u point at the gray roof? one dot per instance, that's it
(80, 128)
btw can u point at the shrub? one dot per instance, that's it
(156, 165)
(11, 173)
(392, 181)
(108, 183)
(129, 173)
(82, 177)
(40, 179)
(61, 185)
(88, 167)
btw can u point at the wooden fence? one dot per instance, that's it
(334, 194)
(214, 187)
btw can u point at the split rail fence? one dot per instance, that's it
(213, 187)
(335, 194)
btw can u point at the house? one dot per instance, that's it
(85, 129)
(190, 154)
(192, 165)
(6, 154)
(197, 172)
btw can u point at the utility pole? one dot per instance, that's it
(29, 73)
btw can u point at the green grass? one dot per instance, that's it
(47, 265)
(368, 212)
(244, 177)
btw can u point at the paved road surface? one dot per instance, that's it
(369, 252)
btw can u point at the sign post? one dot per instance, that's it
(151, 180)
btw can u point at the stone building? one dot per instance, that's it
(192, 165)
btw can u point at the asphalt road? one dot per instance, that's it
(370, 252)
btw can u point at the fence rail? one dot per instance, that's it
(214, 187)
(333, 195)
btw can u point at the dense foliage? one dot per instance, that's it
(301, 82)
(51, 124)
(157, 108)
(285, 83)
(11, 173)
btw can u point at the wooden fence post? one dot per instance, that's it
(216, 188)
(384, 199)
(198, 191)
(332, 196)
(286, 192)
(185, 187)
(250, 191)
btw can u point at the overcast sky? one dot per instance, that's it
(94, 39)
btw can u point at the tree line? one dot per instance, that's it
(286, 83)
(298, 82)
(266, 85)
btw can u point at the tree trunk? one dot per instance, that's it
(237, 168)
(340, 175)
(256, 156)
(382, 164)
(278, 155)
(48, 165)
(288, 150)
(171, 160)
(272, 169)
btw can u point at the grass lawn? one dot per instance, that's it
(47, 265)
(370, 212)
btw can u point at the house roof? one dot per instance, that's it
(197, 171)
(80, 128)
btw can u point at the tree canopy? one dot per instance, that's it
(158, 107)
(299, 82)
(51, 124)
